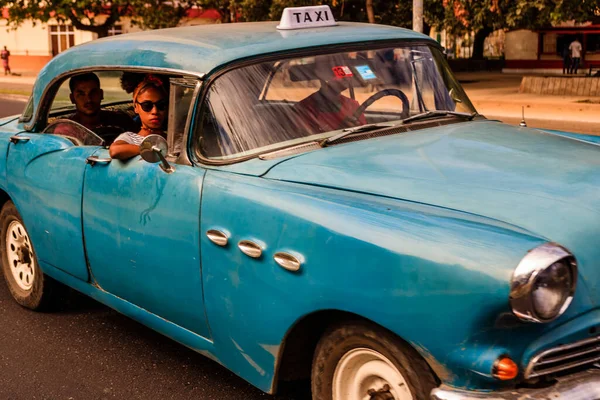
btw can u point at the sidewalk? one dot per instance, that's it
(16, 87)
(497, 96)
(494, 95)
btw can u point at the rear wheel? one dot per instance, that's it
(24, 278)
(360, 361)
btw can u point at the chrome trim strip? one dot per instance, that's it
(529, 373)
(582, 386)
(184, 156)
(566, 367)
(567, 357)
(217, 237)
(301, 148)
(41, 108)
(250, 248)
(287, 261)
(524, 277)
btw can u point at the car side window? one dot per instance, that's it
(96, 101)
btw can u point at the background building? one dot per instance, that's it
(33, 45)
(540, 51)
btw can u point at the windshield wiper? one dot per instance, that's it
(437, 113)
(353, 130)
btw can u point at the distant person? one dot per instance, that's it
(575, 48)
(566, 56)
(4, 55)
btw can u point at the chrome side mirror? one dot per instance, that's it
(154, 149)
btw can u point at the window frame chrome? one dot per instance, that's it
(26, 118)
(525, 275)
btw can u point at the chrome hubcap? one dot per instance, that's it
(20, 257)
(365, 374)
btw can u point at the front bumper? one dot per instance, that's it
(580, 386)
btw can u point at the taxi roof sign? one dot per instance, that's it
(306, 17)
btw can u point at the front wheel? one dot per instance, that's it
(24, 278)
(360, 361)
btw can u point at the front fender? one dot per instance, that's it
(437, 278)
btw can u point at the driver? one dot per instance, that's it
(87, 96)
(328, 109)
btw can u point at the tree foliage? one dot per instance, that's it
(97, 16)
(460, 16)
(455, 16)
(534, 14)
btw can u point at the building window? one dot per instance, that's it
(61, 37)
(593, 43)
(115, 30)
(549, 43)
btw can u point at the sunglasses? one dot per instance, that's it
(148, 105)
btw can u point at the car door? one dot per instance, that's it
(45, 179)
(141, 228)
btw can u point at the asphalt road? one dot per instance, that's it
(87, 351)
(10, 106)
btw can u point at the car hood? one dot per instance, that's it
(536, 180)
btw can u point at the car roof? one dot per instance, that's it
(202, 48)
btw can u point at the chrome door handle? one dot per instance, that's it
(93, 160)
(17, 139)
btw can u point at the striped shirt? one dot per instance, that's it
(131, 138)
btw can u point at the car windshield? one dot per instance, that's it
(275, 104)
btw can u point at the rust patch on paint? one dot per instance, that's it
(440, 370)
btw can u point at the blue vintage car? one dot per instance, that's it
(324, 202)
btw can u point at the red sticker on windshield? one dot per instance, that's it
(342, 72)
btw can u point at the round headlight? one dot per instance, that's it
(543, 283)
(551, 290)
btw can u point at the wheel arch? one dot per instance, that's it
(4, 197)
(294, 361)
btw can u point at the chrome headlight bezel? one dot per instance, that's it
(523, 282)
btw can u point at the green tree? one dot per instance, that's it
(484, 16)
(157, 14)
(97, 16)
(534, 14)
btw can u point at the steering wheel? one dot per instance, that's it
(383, 93)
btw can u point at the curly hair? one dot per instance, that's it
(137, 83)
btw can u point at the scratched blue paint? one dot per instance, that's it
(418, 232)
(45, 181)
(142, 233)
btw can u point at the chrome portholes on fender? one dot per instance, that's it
(543, 284)
(218, 237)
(288, 261)
(250, 248)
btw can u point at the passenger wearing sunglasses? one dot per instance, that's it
(150, 103)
